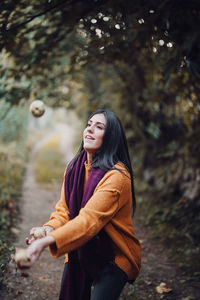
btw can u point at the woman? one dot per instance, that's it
(93, 218)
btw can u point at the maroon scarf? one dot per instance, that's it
(86, 262)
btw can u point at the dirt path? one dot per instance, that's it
(158, 268)
(42, 281)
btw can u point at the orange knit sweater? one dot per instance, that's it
(109, 207)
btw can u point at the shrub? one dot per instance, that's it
(13, 124)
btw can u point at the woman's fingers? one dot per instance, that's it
(32, 231)
(37, 232)
(28, 263)
(29, 241)
(34, 251)
(47, 229)
(23, 265)
(20, 256)
(25, 258)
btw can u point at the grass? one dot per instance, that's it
(12, 163)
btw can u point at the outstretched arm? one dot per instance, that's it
(35, 249)
(58, 218)
(38, 233)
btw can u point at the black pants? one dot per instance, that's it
(109, 285)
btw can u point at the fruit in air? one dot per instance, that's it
(39, 233)
(37, 108)
(21, 255)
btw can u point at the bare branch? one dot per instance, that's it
(15, 26)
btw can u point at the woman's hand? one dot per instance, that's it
(38, 233)
(34, 250)
(33, 253)
(48, 229)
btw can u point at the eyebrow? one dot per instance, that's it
(97, 122)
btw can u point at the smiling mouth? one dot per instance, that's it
(87, 137)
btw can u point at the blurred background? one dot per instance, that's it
(140, 59)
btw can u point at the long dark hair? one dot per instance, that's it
(114, 148)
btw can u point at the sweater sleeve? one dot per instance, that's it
(61, 214)
(98, 211)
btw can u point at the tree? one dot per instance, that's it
(39, 34)
(139, 58)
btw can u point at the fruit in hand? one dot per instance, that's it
(39, 233)
(20, 255)
(37, 108)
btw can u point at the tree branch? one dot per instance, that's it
(38, 15)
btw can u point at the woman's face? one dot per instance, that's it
(93, 133)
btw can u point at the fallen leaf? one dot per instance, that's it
(141, 241)
(148, 283)
(182, 281)
(162, 288)
(42, 277)
(19, 292)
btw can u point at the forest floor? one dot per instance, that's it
(42, 281)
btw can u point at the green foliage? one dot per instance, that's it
(78, 32)
(168, 193)
(5, 253)
(13, 122)
(12, 160)
(13, 88)
(13, 126)
(154, 130)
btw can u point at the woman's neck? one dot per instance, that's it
(89, 158)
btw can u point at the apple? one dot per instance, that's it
(21, 255)
(39, 233)
(37, 108)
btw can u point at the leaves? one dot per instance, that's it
(162, 288)
(13, 124)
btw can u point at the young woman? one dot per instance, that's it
(92, 224)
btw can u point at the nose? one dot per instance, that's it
(90, 128)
